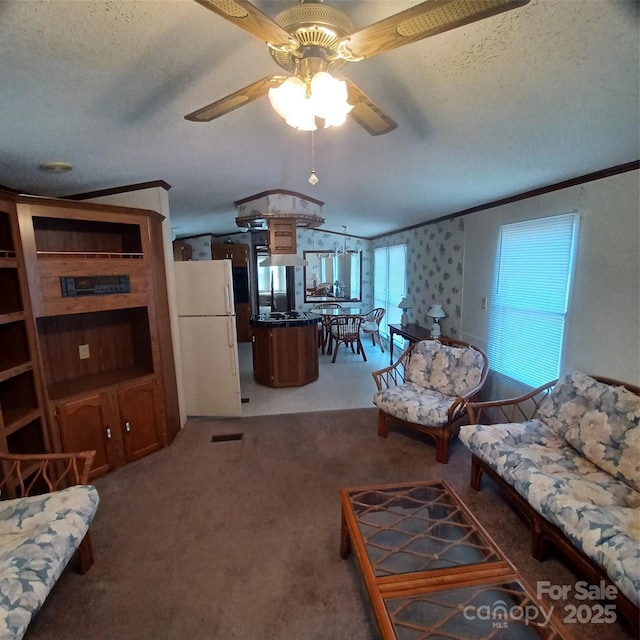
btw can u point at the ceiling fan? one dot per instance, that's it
(311, 38)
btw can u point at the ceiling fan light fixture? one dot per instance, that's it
(325, 98)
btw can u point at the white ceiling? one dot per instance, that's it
(531, 97)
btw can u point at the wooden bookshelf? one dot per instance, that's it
(84, 314)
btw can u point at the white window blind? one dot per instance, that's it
(389, 283)
(530, 298)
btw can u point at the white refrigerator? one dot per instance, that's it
(211, 376)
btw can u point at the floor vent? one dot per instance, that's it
(226, 437)
(244, 400)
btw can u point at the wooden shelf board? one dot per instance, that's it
(98, 383)
(18, 369)
(14, 316)
(92, 255)
(16, 419)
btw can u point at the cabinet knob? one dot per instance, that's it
(108, 433)
(127, 426)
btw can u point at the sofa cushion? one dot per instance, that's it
(419, 369)
(609, 435)
(608, 535)
(539, 464)
(572, 396)
(414, 403)
(453, 371)
(38, 536)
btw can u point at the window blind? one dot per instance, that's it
(529, 303)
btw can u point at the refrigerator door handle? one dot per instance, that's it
(230, 335)
(227, 299)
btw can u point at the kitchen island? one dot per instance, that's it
(285, 348)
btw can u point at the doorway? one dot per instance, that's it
(275, 286)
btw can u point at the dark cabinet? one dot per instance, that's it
(238, 253)
(182, 251)
(285, 356)
(122, 425)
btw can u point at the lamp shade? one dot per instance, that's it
(405, 303)
(435, 311)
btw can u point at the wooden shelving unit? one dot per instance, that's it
(22, 415)
(93, 363)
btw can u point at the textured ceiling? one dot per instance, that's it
(534, 96)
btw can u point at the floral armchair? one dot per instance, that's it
(428, 388)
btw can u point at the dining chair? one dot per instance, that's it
(323, 324)
(345, 330)
(371, 325)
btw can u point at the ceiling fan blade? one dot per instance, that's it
(250, 19)
(236, 99)
(421, 21)
(366, 113)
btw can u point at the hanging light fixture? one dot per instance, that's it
(300, 102)
(344, 249)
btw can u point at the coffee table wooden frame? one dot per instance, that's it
(401, 585)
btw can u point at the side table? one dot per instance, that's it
(412, 333)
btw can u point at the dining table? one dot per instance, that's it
(328, 313)
(340, 311)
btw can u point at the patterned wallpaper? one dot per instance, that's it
(435, 255)
(319, 240)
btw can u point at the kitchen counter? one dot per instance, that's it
(284, 319)
(285, 348)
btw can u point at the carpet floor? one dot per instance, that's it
(239, 539)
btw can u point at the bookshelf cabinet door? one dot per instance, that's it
(139, 408)
(90, 423)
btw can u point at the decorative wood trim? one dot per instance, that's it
(123, 189)
(271, 192)
(572, 182)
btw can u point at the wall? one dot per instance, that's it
(435, 254)
(319, 240)
(602, 334)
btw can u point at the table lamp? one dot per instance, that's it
(405, 304)
(435, 312)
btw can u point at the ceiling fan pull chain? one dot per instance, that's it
(313, 178)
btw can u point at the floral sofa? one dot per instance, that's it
(40, 533)
(568, 454)
(428, 388)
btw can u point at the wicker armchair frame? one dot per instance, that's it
(395, 374)
(35, 474)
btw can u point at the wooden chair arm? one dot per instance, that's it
(519, 409)
(395, 373)
(31, 474)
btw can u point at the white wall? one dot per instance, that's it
(602, 334)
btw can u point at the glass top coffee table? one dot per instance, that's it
(431, 570)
